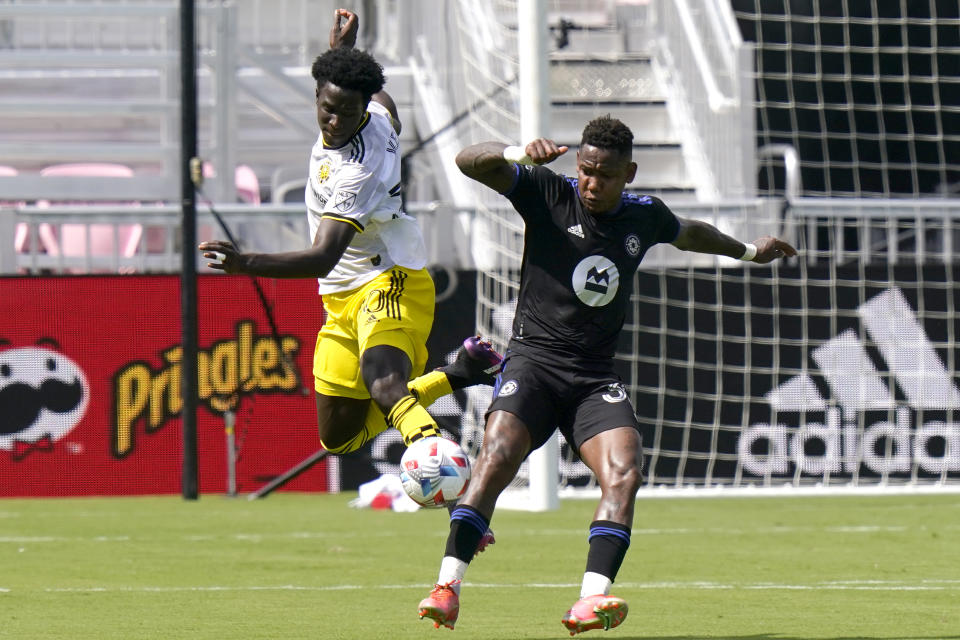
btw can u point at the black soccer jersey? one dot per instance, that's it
(578, 268)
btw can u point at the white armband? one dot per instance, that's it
(750, 253)
(517, 154)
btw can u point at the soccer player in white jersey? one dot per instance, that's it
(369, 258)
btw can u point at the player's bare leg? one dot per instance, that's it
(385, 371)
(340, 420)
(343, 422)
(615, 457)
(506, 442)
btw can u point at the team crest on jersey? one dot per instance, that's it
(615, 393)
(323, 172)
(345, 200)
(632, 244)
(509, 388)
(596, 281)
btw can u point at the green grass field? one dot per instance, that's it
(308, 566)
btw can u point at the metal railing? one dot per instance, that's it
(854, 231)
(825, 230)
(708, 70)
(46, 248)
(44, 231)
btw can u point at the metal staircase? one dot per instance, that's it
(625, 87)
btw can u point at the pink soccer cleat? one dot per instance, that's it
(442, 605)
(485, 542)
(595, 612)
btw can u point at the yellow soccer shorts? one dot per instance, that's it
(395, 308)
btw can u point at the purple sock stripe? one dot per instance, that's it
(471, 517)
(607, 531)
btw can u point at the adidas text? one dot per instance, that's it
(843, 448)
(863, 423)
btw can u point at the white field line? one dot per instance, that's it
(318, 535)
(833, 585)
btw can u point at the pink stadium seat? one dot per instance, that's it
(89, 170)
(73, 237)
(248, 187)
(244, 179)
(20, 236)
(22, 232)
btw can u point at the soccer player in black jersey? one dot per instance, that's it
(583, 241)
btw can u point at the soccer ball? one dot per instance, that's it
(438, 490)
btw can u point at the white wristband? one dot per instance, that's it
(516, 154)
(750, 253)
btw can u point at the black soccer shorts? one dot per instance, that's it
(549, 396)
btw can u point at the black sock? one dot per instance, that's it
(608, 546)
(467, 526)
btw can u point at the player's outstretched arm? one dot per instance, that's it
(316, 262)
(703, 237)
(491, 163)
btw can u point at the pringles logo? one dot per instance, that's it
(43, 396)
(228, 370)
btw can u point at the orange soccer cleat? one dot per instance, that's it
(442, 605)
(595, 612)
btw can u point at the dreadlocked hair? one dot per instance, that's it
(606, 132)
(349, 69)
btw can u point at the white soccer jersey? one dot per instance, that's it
(359, 184)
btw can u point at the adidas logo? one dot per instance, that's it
(576, 230)
(856, 386)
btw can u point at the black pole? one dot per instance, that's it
(289, 475)
(188, 230)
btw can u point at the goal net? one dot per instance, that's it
(866, 92)
(834, 370)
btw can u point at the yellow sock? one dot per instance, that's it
(429, 387)
(375, 422)
(410, 418)
(357, 441)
